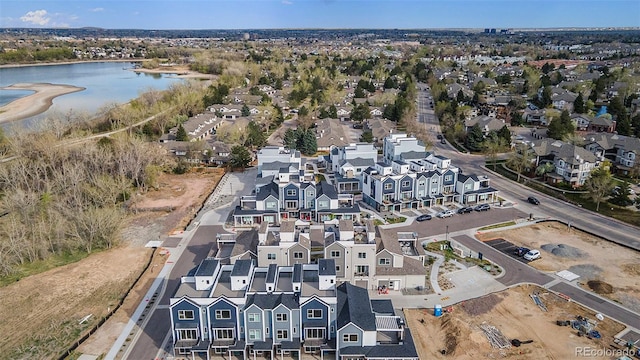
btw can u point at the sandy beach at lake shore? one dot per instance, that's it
(33, 104)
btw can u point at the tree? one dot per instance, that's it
(245, 110)
(240, 157)
(545, 168)
(504, 134)
(333, 112)
(474, 138)
(290, 138)
(256, 137)
(560, 127)
(492, 148)
(181, 134)
(579, 105)
(309, 143)
(359, 93)
(460, 96)
(520, 159)
(390, 83)
(599, 184)
(546, 96)
(621, 195)
(367, 136)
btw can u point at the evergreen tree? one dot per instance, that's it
(256, 137)
(245, 110)
(546, 96)
(290, 138)
(240, 157)
(359, 93)
(474, 139)
(578, 104)
(505, 134)
(460, 96)
(309, 143)
(367, 137)
(181, 134)
(390, 83)
(567, 124)
(621, 196)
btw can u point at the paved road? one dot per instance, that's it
(515, 271)
(158, 325)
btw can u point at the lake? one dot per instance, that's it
(104, 82)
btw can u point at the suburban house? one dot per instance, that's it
(284, 245)
(220, 152)
(563, 100)
(601, 124)
(330, 132)
(380, 129)
(486, 124)
(247, 311)
(533, 115)
(572, 164)
(622, 151)
(277, 156)
(197, 127)
(398, 143)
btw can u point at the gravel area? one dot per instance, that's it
(586, 271)
(564, 250)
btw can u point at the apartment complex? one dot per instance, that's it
(245, 311)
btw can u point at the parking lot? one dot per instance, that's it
(506, 247)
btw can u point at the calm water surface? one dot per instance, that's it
(105, 82)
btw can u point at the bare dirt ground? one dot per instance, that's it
(516, 316)
(55, 301)
(611, 270)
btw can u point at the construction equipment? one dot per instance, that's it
(517, 343)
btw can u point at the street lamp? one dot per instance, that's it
(447, 236)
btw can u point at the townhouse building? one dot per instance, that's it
(245, 311)
(277, 157)
(572, 164)
(348, 162)
(288, 196)
(622, 151)
(394, 145)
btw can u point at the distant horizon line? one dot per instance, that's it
(349, 28)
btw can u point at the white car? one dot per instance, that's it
(532, 255)
(445, 214)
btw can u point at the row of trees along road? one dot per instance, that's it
(67, 199)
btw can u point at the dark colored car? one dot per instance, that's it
(439, 136)
(520, 251)
(482, 207)
(443, 141)
(465, 210)
(423, 217)
(533, 200)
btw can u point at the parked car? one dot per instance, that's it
(439, 136)
(443, 141)
(445, 214)
(424, 217)
(465, 210)
(532, 255)
(521, 251)
(533, 200)
(482, 207)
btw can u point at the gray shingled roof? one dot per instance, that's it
(326, 189)
(354, 307)
(241, 268)
(326, 267)
(207, 267)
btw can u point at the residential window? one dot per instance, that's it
(468, 186)
(384, 261)
(335, 253)
(298, 255)
(421, 183)
(362, 269)
(337, 268)
(315, 333)
(270, 205)
(362, 255)
(188, 334)
(254, 334)
(223, 314)
(405, 183)
(388, 186)
(448, 178)
(224, 333)
(292, 204)
(314, 313)
(366, 179)
(185, 314)
(350, 337)
(291, 192)
(282, 334)
(281, 317)
(323, 203)
(271, 256)
(253, 317)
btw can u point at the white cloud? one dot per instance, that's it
(37, 17)
(287, 2)
(98, 9)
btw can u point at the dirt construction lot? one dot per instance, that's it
(41, 315)
(515, 314)
(608, 269)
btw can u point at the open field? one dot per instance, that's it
(55, 301)
(515, 314)
(604, 267)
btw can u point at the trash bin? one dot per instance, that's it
(437, 311)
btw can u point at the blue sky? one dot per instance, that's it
(257, 14)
